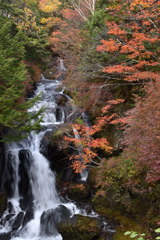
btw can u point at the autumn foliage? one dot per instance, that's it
(84, 140)
(131, 44)
(49, 6)
(134, 37)
(142, 137)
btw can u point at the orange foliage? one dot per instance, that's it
(108, 46)
(133, 39)
(87, 144)
(68, 34)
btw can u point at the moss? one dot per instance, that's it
(79, 121)
(78, 191)
(125, 223)
(79, 228)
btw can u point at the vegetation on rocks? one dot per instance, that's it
(79, 227)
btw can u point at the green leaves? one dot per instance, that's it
(13, 74)
(22, 39)
(158, 232)
(135, 235)
(138, 236)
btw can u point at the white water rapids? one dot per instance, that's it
(42, 179)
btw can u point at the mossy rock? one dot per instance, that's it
(78, 191)
(50, 73)
(124, 223)
(3, 203)
(79, 228)
(61, 100)
(100, 204)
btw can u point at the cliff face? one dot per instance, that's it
(2, 167)
(3, 197)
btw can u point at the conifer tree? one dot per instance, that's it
(13, 74)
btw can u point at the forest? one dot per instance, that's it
(104, 56)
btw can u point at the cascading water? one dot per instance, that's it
(41, 193)
(34, 206)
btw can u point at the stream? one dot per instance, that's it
(32, 213)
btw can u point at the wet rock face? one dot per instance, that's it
(44, 144)
(79, 227)
(58, 114)
(10, 175)
(51, 218)
(3, 203)
(29, 215)
(25, 157)
(51, 151)
(10, 207)
(5, 236)
(18, 221)
(2, 167)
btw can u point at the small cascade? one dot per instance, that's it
(85, 117)
(61, 65)
(34, 201)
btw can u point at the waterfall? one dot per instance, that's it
(41, 194)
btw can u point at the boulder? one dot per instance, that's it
(29, 215)
(59, 115)
(50, 148)
(52, 217)
(78, 191)
(18, 221)
(45, 143)
(80, 228)
(9, 216)
(50, 73)
(10, 207)
(61, 99)
(5, 236)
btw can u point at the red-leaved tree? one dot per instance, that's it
(134, 37)
(142, 137)
(86, 144)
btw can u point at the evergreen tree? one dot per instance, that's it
(13, 108)
(21, 38)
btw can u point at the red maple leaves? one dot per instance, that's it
(135, 35)
(86, 144)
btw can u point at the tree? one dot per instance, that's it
(85, 141)
(49, 6)
(134, 38)
(13, 108)
(132, 42)
(22, 42)
(84, 7)
(142, 136)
